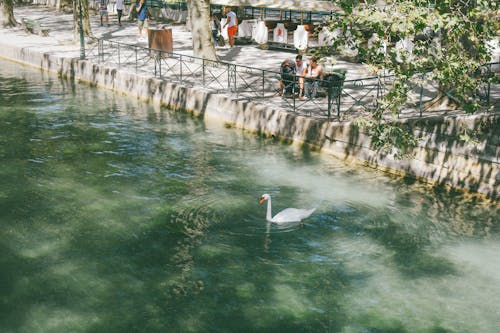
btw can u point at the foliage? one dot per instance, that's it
(445, 40)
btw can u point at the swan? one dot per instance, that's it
(286, 215)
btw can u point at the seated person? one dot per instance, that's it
(312, 76)
(287, 73)
(300, 67)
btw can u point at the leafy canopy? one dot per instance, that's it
(447, 40)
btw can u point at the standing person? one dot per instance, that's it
(215, 27)
(103, 11)
(232, 24)
(312, 76)
(142, 17)
(119, 11)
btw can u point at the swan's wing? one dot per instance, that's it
(292, 215)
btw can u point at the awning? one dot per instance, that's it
(298, 5)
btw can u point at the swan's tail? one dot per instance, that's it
(309, 212)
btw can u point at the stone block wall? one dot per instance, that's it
(440, 158)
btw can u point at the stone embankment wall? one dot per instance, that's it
(440, 158)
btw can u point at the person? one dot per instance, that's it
(103, 11)
(312, 75)
(287, 74)
(232, 24)
(119, 11)
(142, 17)
(215, 27)
(299, 67)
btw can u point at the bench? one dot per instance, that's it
(34, 27)
(281, 46)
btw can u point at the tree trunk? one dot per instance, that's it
(87, 31)
(8, 13)
(199, 17)
(441, 102)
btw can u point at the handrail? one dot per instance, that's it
(249, 83)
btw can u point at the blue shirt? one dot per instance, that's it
(141, 15)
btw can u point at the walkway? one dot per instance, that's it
(60, 42)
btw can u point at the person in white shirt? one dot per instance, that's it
(119, 11)
(232, 24)
(299, 70)
(301, 66)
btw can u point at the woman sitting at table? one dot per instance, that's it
(312, 76)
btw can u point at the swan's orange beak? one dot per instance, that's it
(261, 200)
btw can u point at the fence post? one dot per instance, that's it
(338, 99)
(203, 72)
(488, 93)
(378, 90)
(263, 84)
(136, 60)
(160, 56)
(421, 95)
(100, 50)
(330, 93)
(180, 67)
(231, 77)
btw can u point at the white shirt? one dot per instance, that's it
(231, 16)
(119, 4)
(300, 70)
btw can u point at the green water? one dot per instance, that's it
(118, 216)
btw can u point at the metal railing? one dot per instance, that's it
(351, 97)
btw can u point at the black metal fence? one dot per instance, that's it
(338, 99)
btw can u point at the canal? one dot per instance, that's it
(121, 216)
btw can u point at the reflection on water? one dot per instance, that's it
(117, 216)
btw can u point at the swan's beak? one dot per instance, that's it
(261, 200)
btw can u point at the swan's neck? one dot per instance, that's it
(269, 215)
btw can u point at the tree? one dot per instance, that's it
(8, 13)
(446, 41)
(199, 16)
(87, 31)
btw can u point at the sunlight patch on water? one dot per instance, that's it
(479, 258)
(386, 298)
(43, 318)
(41, 248)
(246, 290)
(289, 301)
(319, 186)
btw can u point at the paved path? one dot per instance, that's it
(61, 42)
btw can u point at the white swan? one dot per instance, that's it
(286, 215)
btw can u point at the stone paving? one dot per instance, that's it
(62, 42)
